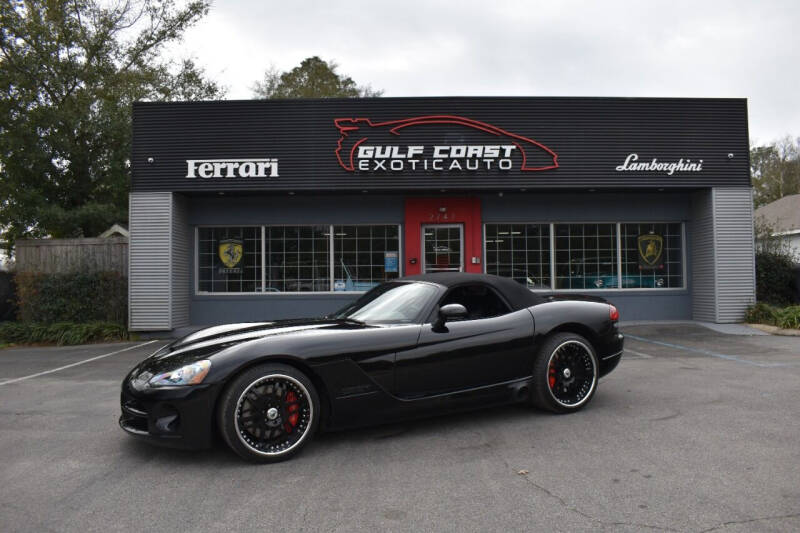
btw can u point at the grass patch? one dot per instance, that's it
(782, 317)
(61, 333)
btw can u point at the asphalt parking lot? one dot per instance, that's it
(695, 431)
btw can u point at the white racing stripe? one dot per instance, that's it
(95, 358)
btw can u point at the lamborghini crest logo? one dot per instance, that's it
(651, 251)
(230, 252)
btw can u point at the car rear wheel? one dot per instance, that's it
(565, 373)
(269, 413)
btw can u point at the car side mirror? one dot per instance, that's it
(449, 312)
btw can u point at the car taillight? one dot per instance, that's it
(613, 314)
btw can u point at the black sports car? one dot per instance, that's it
(412, 347)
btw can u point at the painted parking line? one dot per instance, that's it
(95, 358)
(640, 355)
(727, 357)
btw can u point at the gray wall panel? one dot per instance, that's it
(733, 228)
(703, 278)
(149, 282)
(182, 251)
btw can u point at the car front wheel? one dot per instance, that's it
(565, 373)
(268, 413)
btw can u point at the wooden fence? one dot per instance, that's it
(60, 256)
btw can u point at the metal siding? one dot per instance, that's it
(733, 228)
(150, 261)
(702, 258)
(590, 135)
(182, 247)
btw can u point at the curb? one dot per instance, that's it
(775, 330)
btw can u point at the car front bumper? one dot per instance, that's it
(177, 417)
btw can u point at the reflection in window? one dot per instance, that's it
(365, 256)
(519, 251)
(297, 258)
(652, 255)
(229, 259)
(586, 256)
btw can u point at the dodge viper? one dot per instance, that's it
(413, 347)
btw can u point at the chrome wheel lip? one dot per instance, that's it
(594, 373)
(311, 415)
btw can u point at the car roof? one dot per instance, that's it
(517, 295)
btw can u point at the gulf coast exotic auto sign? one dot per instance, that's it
(399, 146)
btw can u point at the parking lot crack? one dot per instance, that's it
(749, 521)
(574, 509)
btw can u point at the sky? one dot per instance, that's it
(504, 48)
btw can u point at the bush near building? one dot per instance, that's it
(786, 317)
(774, 278)
(60, 333)
(72, 297)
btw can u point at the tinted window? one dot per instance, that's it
(480, 301)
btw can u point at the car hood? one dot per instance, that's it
(206, 342)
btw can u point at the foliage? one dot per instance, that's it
(775, 169)
(61, 333)
(762, 313)
(77, 297)
(789, 317)
(69, 71)
(786, 318)
(774, 278)
(313, 78)
(763, 232)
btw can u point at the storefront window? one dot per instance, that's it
(652, 255)
(586, 256)
(519, 251)
(229, 259)
(297, 258)
(365, 256)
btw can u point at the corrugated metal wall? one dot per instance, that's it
(704, 296)
(149, 282)
(733, 230)
(182, 246)
(591, 136)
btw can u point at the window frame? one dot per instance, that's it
(264, 227)
(618, 288)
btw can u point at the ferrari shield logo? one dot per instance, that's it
(651, 251)
(230, 252)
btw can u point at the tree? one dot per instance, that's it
(775, 169)
(314, 78)
(69, 71)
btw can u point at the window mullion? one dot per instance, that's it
(619, 256)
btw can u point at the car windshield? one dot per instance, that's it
(390, 302)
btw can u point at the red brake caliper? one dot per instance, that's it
(551, 376)
(292, 407)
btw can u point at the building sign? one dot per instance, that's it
(444, 143)
(391, 262)
(651, 251)
(632, 164)
(232, 168)
(230, 253)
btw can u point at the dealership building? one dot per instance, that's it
(267, 209)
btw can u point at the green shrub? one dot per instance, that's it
(76, 297)
(61, 333)
(774, 278)
(789, 317)
(762, 313)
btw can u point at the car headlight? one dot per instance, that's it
(186, 375)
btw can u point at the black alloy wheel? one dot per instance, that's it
(268, 413)
(565, 373)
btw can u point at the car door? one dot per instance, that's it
(491, 345)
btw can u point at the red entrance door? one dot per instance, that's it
(443, 235)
